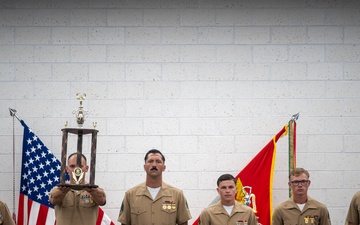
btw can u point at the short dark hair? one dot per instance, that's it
(75, 153)
(154, 151)
(226, 177)
(298, 171)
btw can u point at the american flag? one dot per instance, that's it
(40, 172)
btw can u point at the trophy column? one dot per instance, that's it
(63, 156)
(93, 156)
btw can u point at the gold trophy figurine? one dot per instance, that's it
(80, 112)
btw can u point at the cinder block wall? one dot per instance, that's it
(207, 82)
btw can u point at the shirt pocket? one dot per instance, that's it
(168, 215)
(68, 201)
(67, 206)
(138, 215)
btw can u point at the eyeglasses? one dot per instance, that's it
(297, 182)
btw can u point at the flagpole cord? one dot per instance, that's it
(13, 114)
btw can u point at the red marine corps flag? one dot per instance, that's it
(254, 181)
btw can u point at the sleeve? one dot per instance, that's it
(54, 189)
(125, 212)
(252, 219)
(276, 217)
(353, 213)
(7, 218)
(183, 213)
(325, 219)
(204, 218)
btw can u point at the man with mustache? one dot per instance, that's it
(227, 210)
(154, 201)
(300, 208)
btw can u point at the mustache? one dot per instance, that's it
(154, 168)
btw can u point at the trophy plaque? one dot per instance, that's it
(78, 175)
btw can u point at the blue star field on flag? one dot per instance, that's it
(40, 170)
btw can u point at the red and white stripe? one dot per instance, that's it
(33, 213)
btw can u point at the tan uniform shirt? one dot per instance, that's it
(288, 213)
(168, 208)
(5, 215)
(217, 215)
(353, 215)
(77, 208)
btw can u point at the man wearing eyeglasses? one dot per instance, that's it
(300, 209)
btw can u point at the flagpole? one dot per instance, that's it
(292, 144)
(14, 115)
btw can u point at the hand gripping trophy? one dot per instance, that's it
(77, 175)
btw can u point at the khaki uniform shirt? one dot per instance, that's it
(217, 215)
(353, 215)
(77, 208)
(5, 215)
(288, 213)
(168, 208)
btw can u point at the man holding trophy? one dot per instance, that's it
(78, 207)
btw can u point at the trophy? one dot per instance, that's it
(78, 175)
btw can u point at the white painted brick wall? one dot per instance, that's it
(207, 82)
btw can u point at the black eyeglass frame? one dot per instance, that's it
(297, 182)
